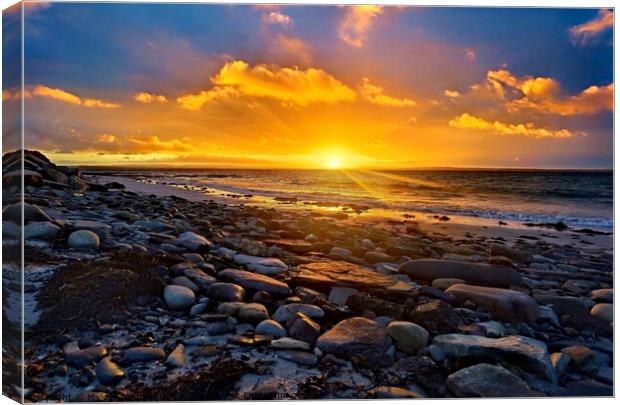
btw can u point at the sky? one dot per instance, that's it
(314, 86)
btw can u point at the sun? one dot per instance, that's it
(333, 162)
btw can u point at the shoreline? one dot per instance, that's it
(456, 226)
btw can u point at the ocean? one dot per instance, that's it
(582, 199)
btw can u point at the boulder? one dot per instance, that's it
(143, 354)
(603, 295)
(41, 231)
(485, 381)
(603, 311)
(14, 178)
(270, 327)
(85, 357)
(285, 312)
(324, 275)
(13, 213)
(226, 292)
(83, 240)
(357, 337)
(108, 373)
(408, 336)
(251, 313)
(178, 297)
(193, 242)
(254, 281)
(102, 230)
(472, 273)
(445, 283)
(301, 327)
(528, 354)
(261, 265)
(506, 305)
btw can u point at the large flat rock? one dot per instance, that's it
(325, 275)
(507, 305)
(255, 281)
(527, 354)
(473, 273)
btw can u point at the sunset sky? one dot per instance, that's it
(317, 86)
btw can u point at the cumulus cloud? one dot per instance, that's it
(468, 121)
(286, 84)
(195, 102)
(146, 97)
(357, 21)
(140, 144)
(589, 31)
(276, 17)
(451, 93)
(375, 94)
(544, 94)
(66, 97)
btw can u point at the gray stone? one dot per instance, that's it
(603, 295)
(262, 265)
(445, 283)
(356, 337)
(177, 357)
(178, 297)
(507, 305)
(108, 372)
(409, 337)
(83, 240)
(301, 327)
(253, 313)
(603, 311)
(154, 226)
(41, 231)
(254, 281)
(226, 292)
(85, 357)
(285, 312)
(472, 273)
(102, 230)
(528, 354)
(270, 327)
(185, 282)
(287, 343)
(302, 358)
(193, 242)
(486, 380)
(143, 354)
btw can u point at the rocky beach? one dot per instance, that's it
(137, 292)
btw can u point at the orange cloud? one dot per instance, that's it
(145, 97)
(468, 121)
(66, 97)
(543, 94)
(141, 144)
(276, 17)
(195, 102)
(289, 85)
(585, 33)
(451, 93)
(375, 95)
(357, 21)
